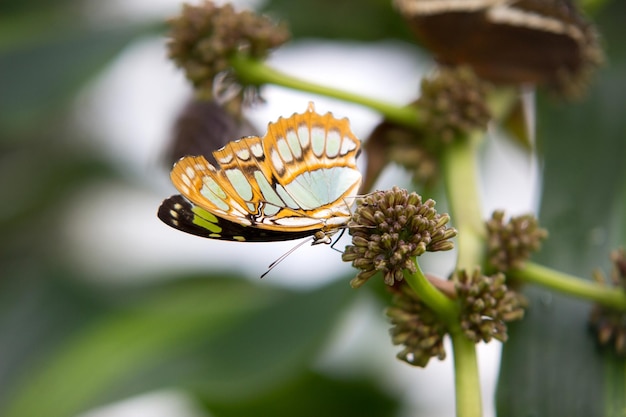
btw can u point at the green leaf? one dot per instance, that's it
(313, 395)
(224, 336)
(551, 365)
(130, 338)
(273, 345)
(39, 309)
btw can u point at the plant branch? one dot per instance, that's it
(572, 285)
(252, 71)
(443, 306)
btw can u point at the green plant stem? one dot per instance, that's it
(572, 285)
(252, 71)
(461, 176)
(443, 306)
(466, 376)
(467, 383)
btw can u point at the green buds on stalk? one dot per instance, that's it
(389, 229)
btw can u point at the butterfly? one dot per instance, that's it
(294, 182)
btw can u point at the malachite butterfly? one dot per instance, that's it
(294, 182)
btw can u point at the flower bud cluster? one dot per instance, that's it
(204, 37)
(608, 323)
(454, 104)
(510, 244)
(486, 305)
(389, 229)
(416, 327)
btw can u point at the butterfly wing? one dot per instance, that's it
(294, 179)
(177, 212)
(313, 158)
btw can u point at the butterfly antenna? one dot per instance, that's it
(283, 256)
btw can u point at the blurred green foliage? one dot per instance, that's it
(67, 344)
(583, 208)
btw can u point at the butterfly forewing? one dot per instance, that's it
(291, 183)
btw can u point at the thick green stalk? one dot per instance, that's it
(461, 176)
(443, 306)
(572, 285)
(467, 382)
(252, 71)
(466, 376)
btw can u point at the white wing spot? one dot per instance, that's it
(226, 159)
(276, 161)
(304, 136)
(190, 172)
(257, 150)
(283, 150)
(243, 154)
(298, 221)
(333, 142)
(294, 143)
(347, 146)
(318, 139)
(337, 221)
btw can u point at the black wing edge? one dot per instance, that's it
(176, 211)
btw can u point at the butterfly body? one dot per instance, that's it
(294, 182)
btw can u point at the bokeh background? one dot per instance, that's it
(107, 312)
